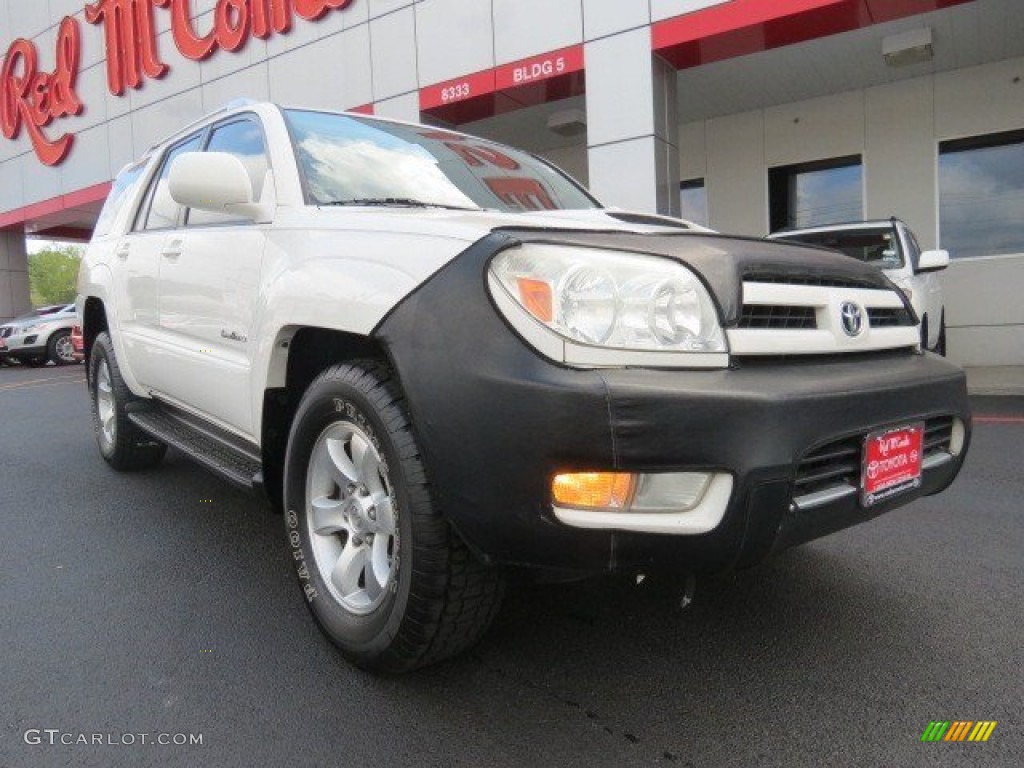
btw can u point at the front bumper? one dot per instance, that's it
(23, 346)
(495, 421)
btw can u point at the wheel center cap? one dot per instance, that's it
(357, 509)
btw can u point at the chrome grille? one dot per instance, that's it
(938, 434)
(839, 462)
(831, 464)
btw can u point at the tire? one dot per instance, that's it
(407, 591)
(59, 348)
(123, 445)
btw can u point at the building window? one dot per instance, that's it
(693, 201)
(814, 194)
(981, 195)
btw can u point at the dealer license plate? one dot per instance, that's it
(892, 463)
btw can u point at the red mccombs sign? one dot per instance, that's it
(32, 98)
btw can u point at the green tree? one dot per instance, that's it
(53, 274)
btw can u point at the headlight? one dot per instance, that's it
(610, 299)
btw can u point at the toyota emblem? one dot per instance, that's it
(853, 318)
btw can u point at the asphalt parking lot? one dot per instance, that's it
(162, 603)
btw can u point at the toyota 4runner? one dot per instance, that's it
(443, 360)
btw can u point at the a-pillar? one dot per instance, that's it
(632, 124)
(14, 296)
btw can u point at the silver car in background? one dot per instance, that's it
(42, 335)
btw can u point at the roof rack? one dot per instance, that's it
(230, 106)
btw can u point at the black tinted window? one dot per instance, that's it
(981, 195)
(815, 194)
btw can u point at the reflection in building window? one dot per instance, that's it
(815, 194)
(693, 201)
(981, 195)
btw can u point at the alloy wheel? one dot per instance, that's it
(350, 514)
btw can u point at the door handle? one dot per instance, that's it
(123, 251)
(173, 250)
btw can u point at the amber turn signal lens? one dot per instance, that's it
(536, 297)
(600, 490)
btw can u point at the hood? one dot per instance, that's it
(471, 225)
(722, 262)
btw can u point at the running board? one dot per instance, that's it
(218, 451)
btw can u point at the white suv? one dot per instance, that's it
(442, 359)
(890, 245)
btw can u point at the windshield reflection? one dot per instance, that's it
(346, 169)
(346, 158)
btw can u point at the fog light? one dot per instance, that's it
(676, 503)
(663, 492)
(670, 492)
(593, 490)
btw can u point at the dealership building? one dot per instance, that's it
(744, 115)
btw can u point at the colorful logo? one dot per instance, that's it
(958, 730)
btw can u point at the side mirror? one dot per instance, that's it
(933, 261)
(215, 182)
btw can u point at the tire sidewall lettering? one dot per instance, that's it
(314, 419)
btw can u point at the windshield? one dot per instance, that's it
(879, 247)
(348, 160)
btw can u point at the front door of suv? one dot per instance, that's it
(209, 288)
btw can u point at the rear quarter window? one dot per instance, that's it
(121, 192)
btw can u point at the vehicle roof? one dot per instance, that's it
(241, 106)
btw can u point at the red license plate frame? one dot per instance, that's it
(892, 462)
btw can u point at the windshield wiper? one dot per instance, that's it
(397, 202)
